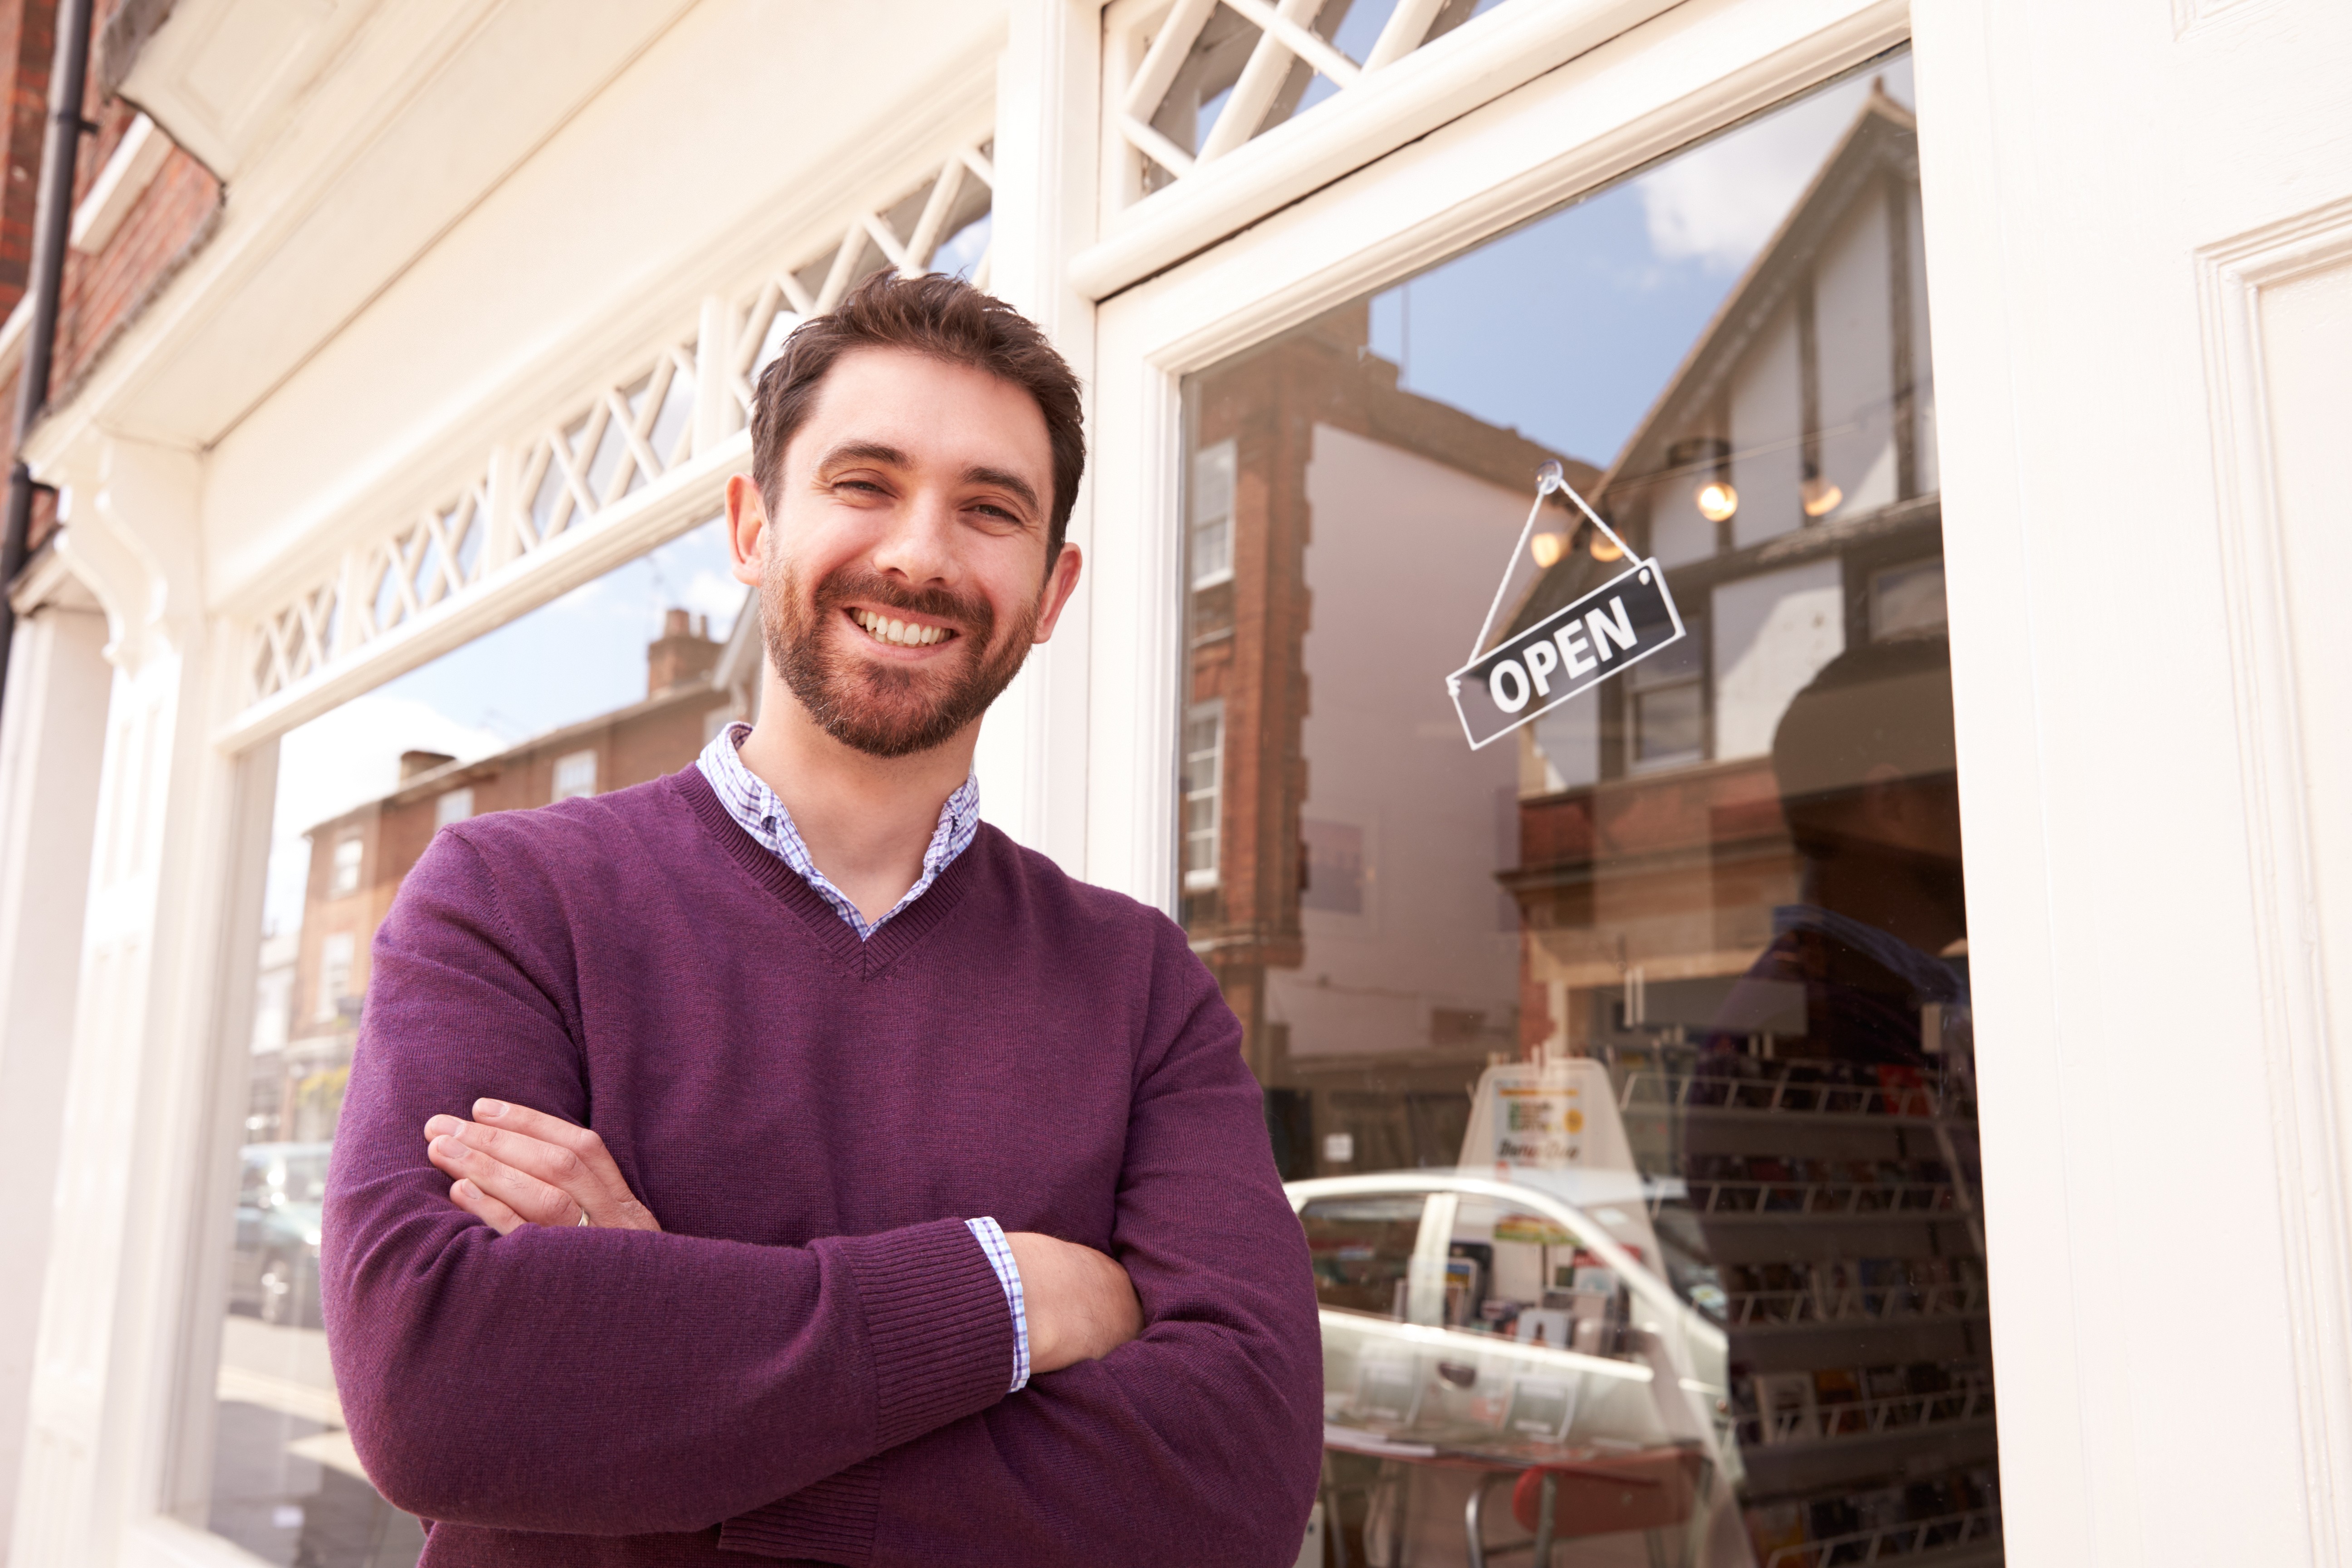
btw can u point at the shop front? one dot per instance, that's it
(1707, 615)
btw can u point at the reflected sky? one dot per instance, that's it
(1637, 272)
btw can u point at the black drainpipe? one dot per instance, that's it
(52, 220)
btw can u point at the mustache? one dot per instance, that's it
(849, 585)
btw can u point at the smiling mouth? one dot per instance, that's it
(897, 632)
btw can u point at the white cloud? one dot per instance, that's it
(1719, 203)
(716, 594)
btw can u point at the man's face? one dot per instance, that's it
(902, 576)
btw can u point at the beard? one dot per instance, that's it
(884, 709)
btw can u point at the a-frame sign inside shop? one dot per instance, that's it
(1570, 651)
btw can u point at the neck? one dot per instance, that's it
(865, 820)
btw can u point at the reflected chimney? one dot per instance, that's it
(684, 652)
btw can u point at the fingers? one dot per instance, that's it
(484, 1207)
(557, 1166)
(518, 1191)
(546, 1169)
(580, 1165)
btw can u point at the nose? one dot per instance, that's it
(917, 546)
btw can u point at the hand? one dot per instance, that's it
(519, 1166)
(1081, 1305)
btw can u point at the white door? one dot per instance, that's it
(2139, 221)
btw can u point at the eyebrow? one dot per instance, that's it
(891, 456)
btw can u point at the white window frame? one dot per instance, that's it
(1199, 878)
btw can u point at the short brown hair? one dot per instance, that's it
(947, 318)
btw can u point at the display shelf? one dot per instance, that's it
(1645, 1089)
(1853, 1304)
(1969, 1399)
(1714, 1198)
(1946, 1542)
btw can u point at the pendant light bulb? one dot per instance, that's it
(1547, 549)
(1820, 497)
(1603, 548)
(1716, 500)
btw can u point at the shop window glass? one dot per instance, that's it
(639, 666)
(1623, 1067)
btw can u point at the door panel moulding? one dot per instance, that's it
(1697, 69)
(638, 456)
(2274, 699)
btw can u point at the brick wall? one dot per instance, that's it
(26, 43)
(102, 295)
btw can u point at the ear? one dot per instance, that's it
(1059, 582)
(747, 530)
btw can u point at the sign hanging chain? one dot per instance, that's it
(1549, 478)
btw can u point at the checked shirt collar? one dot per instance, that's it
(756, 809)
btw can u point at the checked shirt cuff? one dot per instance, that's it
(990, 1236)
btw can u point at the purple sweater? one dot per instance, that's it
(811, 1361)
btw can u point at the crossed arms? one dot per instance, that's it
(518, 1166)
(846, 1399)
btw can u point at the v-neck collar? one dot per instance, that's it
(866, 958)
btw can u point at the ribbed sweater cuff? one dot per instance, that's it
(832, 1521)
(940, 1336)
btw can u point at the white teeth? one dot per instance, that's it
(905, 634)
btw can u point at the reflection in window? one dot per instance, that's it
(1212, 506)
(1727, 1019)
(335, 954)
(454, 806)
(1204, 759)
(344, 876)
(575, 774)
(618, 668)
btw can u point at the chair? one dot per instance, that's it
(1658, 1491)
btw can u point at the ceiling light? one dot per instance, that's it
(1716, 500)
(1547, 548)
(1603, 548)
(1820, 496)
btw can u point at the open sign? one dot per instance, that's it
(1568, 652)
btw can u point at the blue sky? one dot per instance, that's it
(1567, 328)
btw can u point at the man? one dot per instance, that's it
(833, 1179)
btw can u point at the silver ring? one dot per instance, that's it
(583, 1216)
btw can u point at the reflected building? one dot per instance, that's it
(694, 685)
(1343, 929)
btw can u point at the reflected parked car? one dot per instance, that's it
(274, 1274)
(1490, 1349)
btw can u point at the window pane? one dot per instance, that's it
(618, 679)
(1686, 955)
